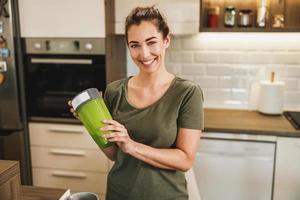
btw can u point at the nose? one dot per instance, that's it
(145, 52)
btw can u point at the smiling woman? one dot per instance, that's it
(158, 118)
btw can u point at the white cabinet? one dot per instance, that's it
(234, 169)
(62, 18)
(65, 156)
(182, 15)
(287, 171)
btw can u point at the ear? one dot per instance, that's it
(167, 41)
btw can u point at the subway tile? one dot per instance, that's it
(217, 94)
(219, 70)
(225, 104)
(188, 77)
(259, 57)
(232, 82)
(292, 98)
(231, 57)
(192, 69)
(286, 58)
(293, 71)
(181, 56)
(207, 56)
(174, 68)
(175, 43)
(239, 95)
(290, 84)
(206, 82)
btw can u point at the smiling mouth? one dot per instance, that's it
(148, 62)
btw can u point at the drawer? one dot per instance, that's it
(70, 179)
(60, 135)
(67, 158)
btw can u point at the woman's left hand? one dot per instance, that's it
(117, 133)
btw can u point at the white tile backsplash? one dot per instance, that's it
(207, 57)
(225, 65)
(193, 69)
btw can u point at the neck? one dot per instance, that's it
(153, 79)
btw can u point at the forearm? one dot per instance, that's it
(173, 158)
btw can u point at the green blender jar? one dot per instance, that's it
(91, 110)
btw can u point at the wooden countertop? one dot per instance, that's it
(10, 169)
(244, 121)
(40, 193)
(7, 170)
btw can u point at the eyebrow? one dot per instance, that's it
(150, 38)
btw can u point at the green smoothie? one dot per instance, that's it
(91, 114)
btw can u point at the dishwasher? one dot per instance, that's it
(235, 166)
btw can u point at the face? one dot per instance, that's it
(147, 47)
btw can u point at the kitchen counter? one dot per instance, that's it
(40, 193)
(250, 122)
(11, 189)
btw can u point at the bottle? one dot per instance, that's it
(262, 13)
(229, 16)
(213, 17)
(91, 110)
(245, 18)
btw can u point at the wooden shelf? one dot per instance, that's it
(249, 29)
(288, 8)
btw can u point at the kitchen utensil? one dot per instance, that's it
(91, 110)
(83, 196)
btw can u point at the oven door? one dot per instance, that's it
(52, 80)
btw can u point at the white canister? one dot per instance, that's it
(270, 99)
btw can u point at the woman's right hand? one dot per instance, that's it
(72, 109)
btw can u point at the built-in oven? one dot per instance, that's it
(57, 69)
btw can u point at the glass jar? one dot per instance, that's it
(229, 16)
(245, 18)
(213, 17)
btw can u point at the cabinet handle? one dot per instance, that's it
(67, 152)
(64, 130)
(69, 174)
(61, 61)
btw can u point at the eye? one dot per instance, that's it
(151, 43)
(134, 46)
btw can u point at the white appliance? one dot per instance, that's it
(235, 167)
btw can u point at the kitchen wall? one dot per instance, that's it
(228, 66)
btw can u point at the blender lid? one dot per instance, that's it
(84, 96)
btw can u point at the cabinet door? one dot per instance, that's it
(62, 18)
(60, 135)
(287, 171)
(182, 15)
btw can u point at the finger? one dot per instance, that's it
(75, 115)
(112, 122)
(116, 136)
(112, 128)
(72, 110)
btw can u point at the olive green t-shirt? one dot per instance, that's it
(156, 125)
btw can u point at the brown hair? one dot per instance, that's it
(151, 14)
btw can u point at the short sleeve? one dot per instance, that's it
(107, 99)
(191, 113)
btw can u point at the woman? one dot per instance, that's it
(158, 118)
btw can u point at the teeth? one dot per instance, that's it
(148, 62)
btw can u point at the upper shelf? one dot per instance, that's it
(213, 14)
